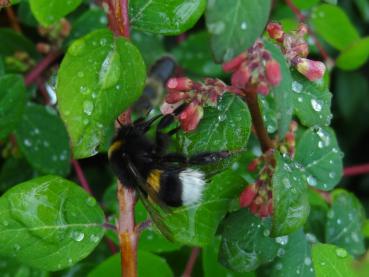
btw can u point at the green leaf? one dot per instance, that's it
(332, 23)
(14, 171)
(150, 45)
(305, 4)
(196, 225)
(12, 42)
(211, 266)
(290, 202)
(48, 12)
(25, 15)
(167, 17)
(12, 102)
(293, 259)
(87, 22)
(10, 267)
(278, 103)
(193, 55)
(148, 265)
(330, 260)
(245, 242)
(100, 77)
(226, 127)
(235, 27)
(311, 101)
(363, 8)
(354, 56)
(318, 152)
(49, 223)
(345, 223)
(43, 140)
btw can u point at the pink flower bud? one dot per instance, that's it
(241, 77)
(275, 31)
(313, 70)
(248, 195)
(264, 210)
(254, 208)
(301, 49)
(191, 117)
(253, 165)
(180, 84)
(174, 96)
(262, 88)
(235, 63)
(273, 72)
(302, 29)
(167, 108)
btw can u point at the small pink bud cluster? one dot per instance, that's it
(289, 144)
(55, 34)
(296, 49)
(258, 196)
(196, 94)
(254, 70)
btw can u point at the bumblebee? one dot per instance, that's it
(143, 164)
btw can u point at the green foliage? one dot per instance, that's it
(49, 223)
(96, 81)
(234, 28)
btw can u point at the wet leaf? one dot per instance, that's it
(98, 79)
(49, 223)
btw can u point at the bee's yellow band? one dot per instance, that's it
(115, 146)
(154, 179)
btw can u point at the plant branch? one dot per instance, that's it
(257, 120)
(13, 19)
(191, 262)
(81, 176)
(356, 170)
(301, 17)
(48, 60)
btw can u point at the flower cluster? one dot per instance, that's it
(288, 146)
(254, 70)
(295, 49)
(55, 34)
(195, 94)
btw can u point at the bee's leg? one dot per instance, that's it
(209, 157)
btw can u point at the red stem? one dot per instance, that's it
(302, 18)
(13, 19)
(123, 5)
(81, 176)
(41, 67)
(356, 170)
(191, 262)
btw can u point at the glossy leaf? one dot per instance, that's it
(293, 258)
(25, 15)
(305, 4)
(150, 45)
(226, 127)
(167, 17)
(197, 224)
(100, 77)
(354, 56)
(194, 55)
(49, 223)
(345, 223)
(290, 202)
(12, 102)
(330, 260)
(245, 242)
(332, 23)
(311, 101)
(48, 12)
(279, 100)
(10, 267)
(235, 27)
(318, 152)
(43, 140)
(11, 42)
(148, 265)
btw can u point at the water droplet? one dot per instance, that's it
(299, 99)
(110, 70)
(103, 20)
(84, 90)
(281, 252)
(216, 28)
(322, 263)
(320, 144)
(103, 41)
(339, 221)
(282, 240)
(91, 201)
(307, 261)
(36, 131)
(5, 223)
(311, 180)
(298, 271)
(278, 266)
(311, 238)
(80, 74)
(332, 175)
(77, 47)
(70, 261)
(296, 86)
(286, 183)
(340, 252)
(27, 143)
(330, 214)
(88, 107)
(77, 236)
(94, 238)
(17, 247)
(316, 105)
(243, 25)
(266, 233)
(221, 117)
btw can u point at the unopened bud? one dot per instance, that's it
(253, 165)
(248, 195)
(262, 88)
(273, 72)
(241, 77)
(301, 49)
(275, 31)
(235, 63)
(176, 96)
(191, 116)
(313, 70)
(180, 84)
(43, 48)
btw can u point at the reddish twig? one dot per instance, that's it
(118, 17)
(301, 17)
(41, 67)
(257, 121)
(356, 170)
(81, 176)
(13, 19)
(191, 262)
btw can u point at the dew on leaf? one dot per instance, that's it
(307, 261)
(88, 107)
(266, 233)
(316, 105)
(311, 181)
(80, 74)
(216, 28)
(281, 252)
(77, 47)
(94, 238)
(296, 86)
(283, 240)
(27, 143)
(243, 25)
(77, 236)
(90, 201)
(340, 252)
(332, 174)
